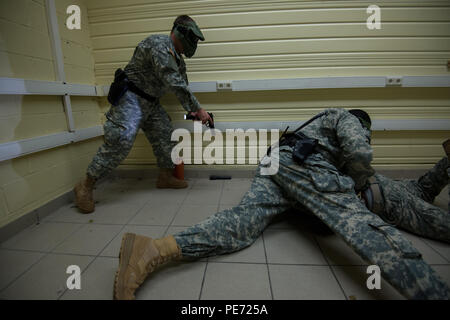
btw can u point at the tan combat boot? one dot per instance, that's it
(139, 256)
(446, 146)
(84, 194)
(166, 179)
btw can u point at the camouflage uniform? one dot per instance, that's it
(408, 203)
(236, 228)
(324, 186)
(155, 68)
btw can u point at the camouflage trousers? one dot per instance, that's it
(330, 197)
(408, 203)
(236, 228)
(120, 130)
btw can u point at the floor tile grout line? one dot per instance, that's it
(220, 197)
(20, 275)
(423, 240)
(137, 212)
(131, 218)
(50, 252)
(267, 266)
(182, 203)
(43, 257)
(207, 259)
(435, 250)
(81, 225)
(46, 253)
(95, 258)
(330, 267)
(89, 221)
(176, 213)
(67, 237)
(211, 261)
(151, 225)
(115, 224)
(270, 263)
(25, 250)
(104, 247)
(114, 237)
(203, 281)
(99, 253)
(41, 223)
(56, 221)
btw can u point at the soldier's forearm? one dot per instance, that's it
(187, 100)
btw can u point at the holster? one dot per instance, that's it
(121, 84)
(302, 145)
(118, 87)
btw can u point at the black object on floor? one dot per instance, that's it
(216, 177)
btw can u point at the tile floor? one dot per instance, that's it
(295, 258)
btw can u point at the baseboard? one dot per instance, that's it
(34, 217)
(189, 172)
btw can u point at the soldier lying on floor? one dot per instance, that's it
(324, 182)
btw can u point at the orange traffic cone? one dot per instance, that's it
(179, 171)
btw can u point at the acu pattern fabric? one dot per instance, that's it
(408, 203)
(323, 185)
(155, 68)
(236, 228)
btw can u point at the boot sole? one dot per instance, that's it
(126, 248)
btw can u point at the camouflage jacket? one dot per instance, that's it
(344, 146)
(156, 68)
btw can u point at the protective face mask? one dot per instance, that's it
(365, 124)
(189, 47)
(189, 35)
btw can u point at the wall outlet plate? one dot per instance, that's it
(394, 81)
(224, 85)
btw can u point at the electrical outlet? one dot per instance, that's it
(224, 85)
(394, 81)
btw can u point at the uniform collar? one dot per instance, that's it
(174, 52)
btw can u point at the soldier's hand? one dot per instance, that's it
(203, 116)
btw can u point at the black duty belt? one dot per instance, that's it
(133, 88)
(120, 86)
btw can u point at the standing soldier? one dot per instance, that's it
(322, 168)
(155, 68)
